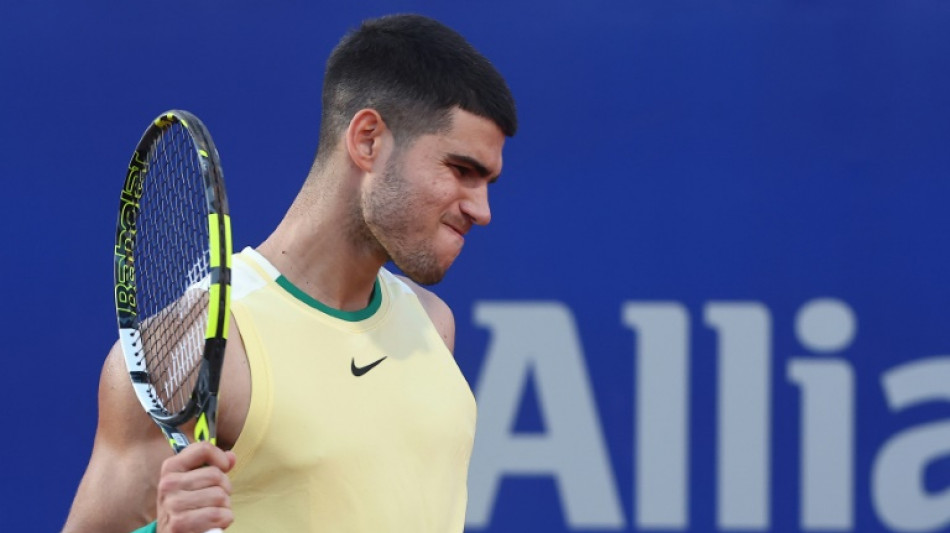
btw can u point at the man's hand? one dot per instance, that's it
(194, 492)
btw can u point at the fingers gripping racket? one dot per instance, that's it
(172, 275)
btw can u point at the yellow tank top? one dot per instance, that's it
(358, 422)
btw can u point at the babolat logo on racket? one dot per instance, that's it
(125, 238)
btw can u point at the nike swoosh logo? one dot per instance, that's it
(360, 370)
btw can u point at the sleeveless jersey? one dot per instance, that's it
(358, 421)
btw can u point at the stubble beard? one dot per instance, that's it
(386, 216)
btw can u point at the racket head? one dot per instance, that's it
(172, 272)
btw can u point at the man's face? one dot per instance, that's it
(431, 193)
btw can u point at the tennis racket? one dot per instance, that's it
(172, 275)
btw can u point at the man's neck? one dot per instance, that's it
(315, 248)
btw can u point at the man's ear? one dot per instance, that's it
(366, 137)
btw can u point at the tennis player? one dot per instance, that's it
(342, 408)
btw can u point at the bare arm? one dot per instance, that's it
(117, 492)
(133, 477)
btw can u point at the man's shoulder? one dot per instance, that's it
(439, 312)
(430, 300)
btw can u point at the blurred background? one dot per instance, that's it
(713, 296)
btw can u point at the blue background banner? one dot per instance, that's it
(713, 296)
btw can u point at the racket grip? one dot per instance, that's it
(215, 530)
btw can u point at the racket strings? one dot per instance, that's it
(173, 266)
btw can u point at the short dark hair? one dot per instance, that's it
(412, 70)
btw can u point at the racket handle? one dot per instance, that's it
(215, 530)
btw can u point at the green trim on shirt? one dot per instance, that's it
(151, 528)
(350, 316)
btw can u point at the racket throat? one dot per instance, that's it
(205, 426)
(206, 401)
